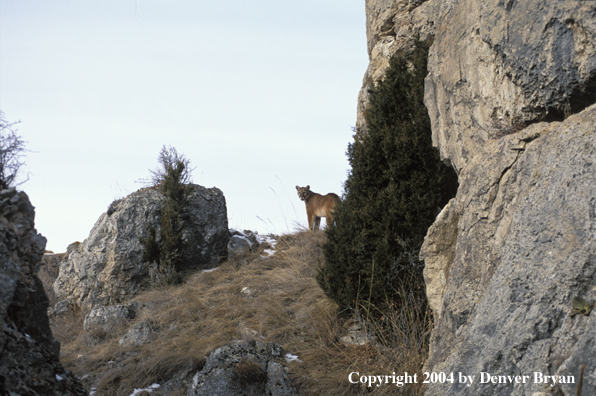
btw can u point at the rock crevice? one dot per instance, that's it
(29, 354)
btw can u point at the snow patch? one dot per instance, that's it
(292, 358)
(150, 389)
(268, 239)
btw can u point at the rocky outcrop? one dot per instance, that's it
(110, 318)
(107, 268)
(29, 355)
(510, 92)
(524, 247)
(244, 368)
(48, 272)
(242, 243)
(139, 334)
(501, 65)
(391, 28)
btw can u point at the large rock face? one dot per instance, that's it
(501, 64)
(29, 362)
(510, 91)
(506, 257)
(391, 28)
(107, 268)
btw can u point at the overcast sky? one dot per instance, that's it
(260, 95)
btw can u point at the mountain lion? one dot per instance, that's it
(317, 206)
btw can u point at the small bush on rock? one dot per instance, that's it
(165, 254)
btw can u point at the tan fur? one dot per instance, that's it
(317, 206)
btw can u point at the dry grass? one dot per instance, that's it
(208, 310)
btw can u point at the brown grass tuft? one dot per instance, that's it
(208, 310)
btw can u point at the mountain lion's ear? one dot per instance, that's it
(297, 188)
(308, 187)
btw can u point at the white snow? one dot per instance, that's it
(271, 241)
(150, 389)
(59, 378)
(209, 270)
(292, 358)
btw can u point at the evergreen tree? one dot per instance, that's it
(396, 187)
(165, 255)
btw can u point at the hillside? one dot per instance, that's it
(267, 298)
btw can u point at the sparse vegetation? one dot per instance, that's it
(12, 149)
(164, 254)
(208, 311)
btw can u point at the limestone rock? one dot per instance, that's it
(107, 268)
(506, 258)
(29, 362)
(505, 64)
(138, 335)
(242, 243)
(391, 27)
(48, 272)
(525, 247)
(110, 317)
(244, 368)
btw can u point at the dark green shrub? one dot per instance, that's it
(151, 249)
(165, 255)
(395, 189)
(172, 243)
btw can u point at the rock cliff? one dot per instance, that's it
(510, 93)
(107, 268)
(391, 28)
(29, 354)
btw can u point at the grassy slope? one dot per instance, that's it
(209, 310)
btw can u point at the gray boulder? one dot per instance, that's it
(29, 362)
(107, 268)
(108, 318)
(242, 243)
(138, 335)
(242, 369)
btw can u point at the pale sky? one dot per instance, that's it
(260, 95)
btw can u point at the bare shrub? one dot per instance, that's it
(169, 158)
(12, 149)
